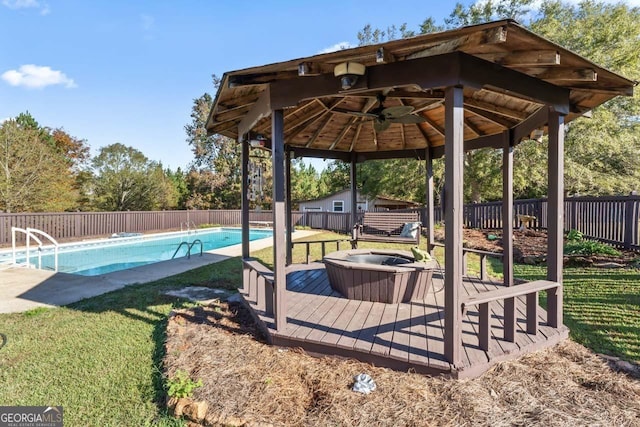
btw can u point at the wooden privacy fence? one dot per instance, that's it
(74, 225)
(612, 219)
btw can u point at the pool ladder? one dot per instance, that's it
(32, 234)
(189, 247)
(187, 226)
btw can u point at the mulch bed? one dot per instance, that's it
(247, 382)
(530, 247)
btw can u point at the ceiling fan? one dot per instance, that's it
(383, 117)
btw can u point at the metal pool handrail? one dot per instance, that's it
(189, 247)
(30, 233)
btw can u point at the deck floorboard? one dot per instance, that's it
(402, 336)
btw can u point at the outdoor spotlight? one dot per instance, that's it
(348, 73)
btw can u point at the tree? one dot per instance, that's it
(34, 177)
(335, 177)
(215, 177)
(126, 180)
(602, 154)
(178, 180)
(305, 181)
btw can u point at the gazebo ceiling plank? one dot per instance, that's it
(239, 97)
(326, 118)
(355, 136)
(234, 113)
(425, 136)
(292, 116)
(479, 38)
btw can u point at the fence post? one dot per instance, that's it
(473, 216)
(574, 215)
(629, 222)
(540, 220)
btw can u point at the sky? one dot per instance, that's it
(128, 71)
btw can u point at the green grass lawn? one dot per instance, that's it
(101, 358)
(601, 307)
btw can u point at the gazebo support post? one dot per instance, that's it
(289, 222)
(245, 199)
(279, 213)
(429, 197)
(555, 219)
(507, 234)
(354, 190)
(454, 162)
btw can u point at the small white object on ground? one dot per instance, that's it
(363, 384)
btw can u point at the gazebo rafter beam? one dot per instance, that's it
(492, 117)
(472, 127)
(524, 58)
(433, 124)
(493, 108)
(295, 128)
(456, 68)
(327, 118)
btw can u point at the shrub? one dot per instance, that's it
(574, 236)
(181, 385)
(589, 247)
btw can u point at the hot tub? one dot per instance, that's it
(389, 276)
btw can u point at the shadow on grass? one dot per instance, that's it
(147, 303)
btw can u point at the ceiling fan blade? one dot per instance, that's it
(397, 111)
(408, 119)
(355, 113)
(381, 125)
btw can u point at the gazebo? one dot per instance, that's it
(490, 85)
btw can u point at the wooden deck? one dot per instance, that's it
(399, 336)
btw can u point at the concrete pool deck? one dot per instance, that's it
(23, 289)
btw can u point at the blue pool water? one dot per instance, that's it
(106, 256)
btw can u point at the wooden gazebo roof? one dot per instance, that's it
(318, 121)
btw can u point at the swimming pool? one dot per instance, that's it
(109, 255)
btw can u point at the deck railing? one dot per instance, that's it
(530, 291)
(482, 255)
(323, 246)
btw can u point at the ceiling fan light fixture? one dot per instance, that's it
(348, 73)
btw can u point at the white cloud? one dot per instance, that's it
(35, 76)
(27, 4)
(337, 46)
